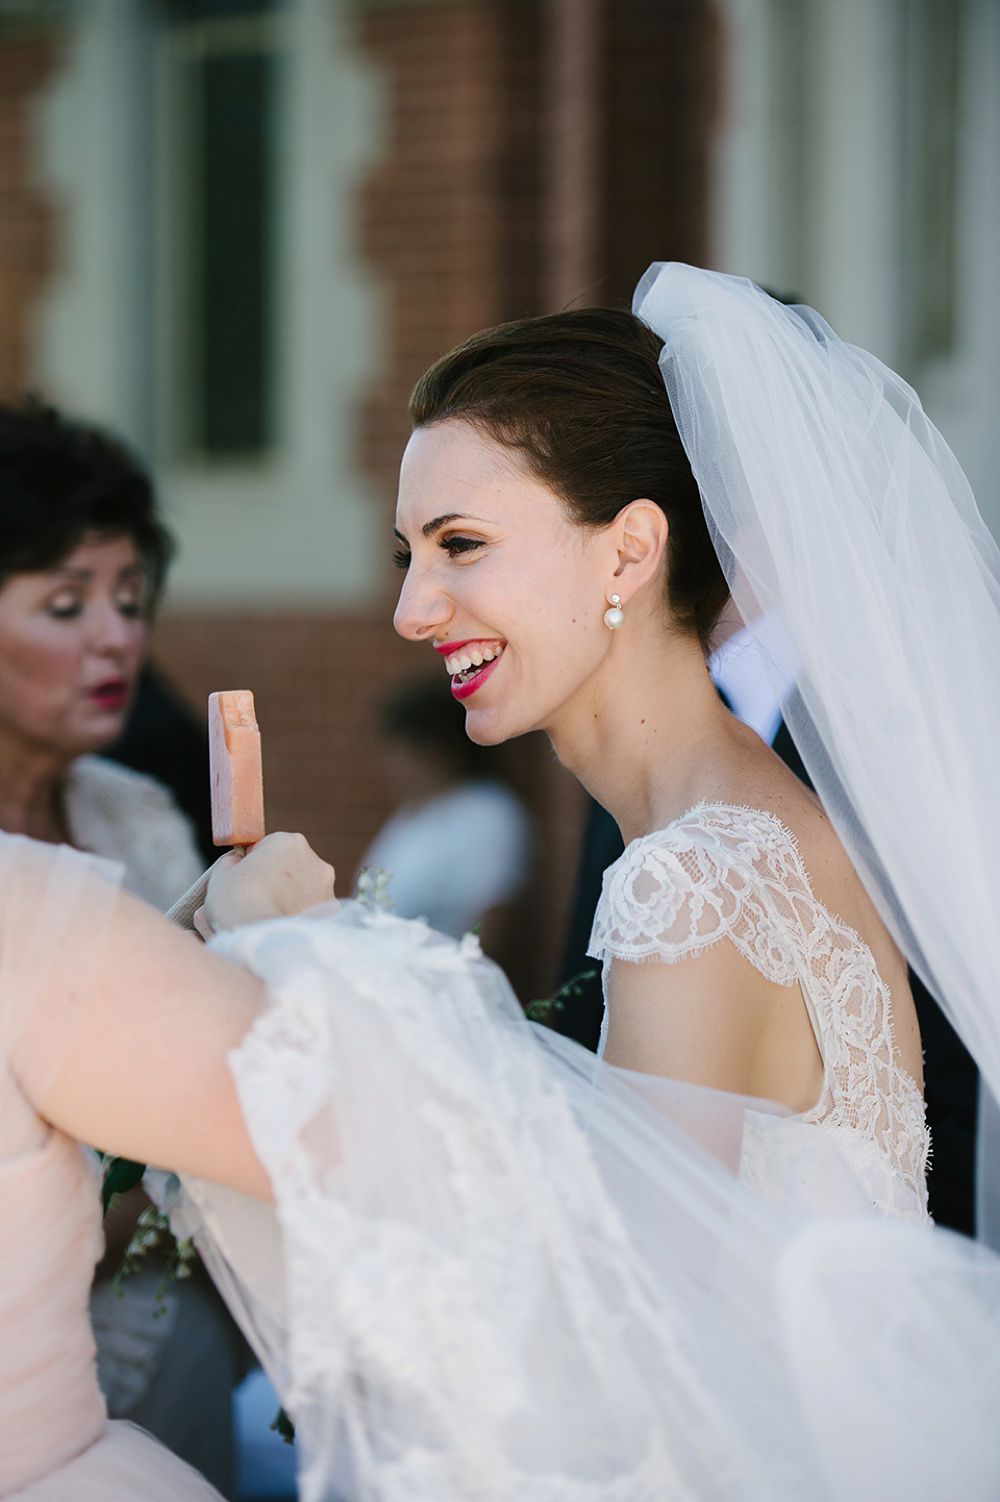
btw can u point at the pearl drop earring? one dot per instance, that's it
(614, 616)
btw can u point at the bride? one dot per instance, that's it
(700, 1268)
(558, 558)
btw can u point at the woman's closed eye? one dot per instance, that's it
(70, 608)
(64, 607)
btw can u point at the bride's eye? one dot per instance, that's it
(401, 557)
(454, 546)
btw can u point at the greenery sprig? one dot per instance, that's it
(282, 1424)
(546, 1011)
(152, 1230)
(120, 1175)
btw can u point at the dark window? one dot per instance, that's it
(234, 256)
(227, 72)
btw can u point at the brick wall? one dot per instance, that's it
(448, 219)
(27, 220)
(659, 91)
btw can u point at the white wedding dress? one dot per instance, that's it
(503, 1269)
(730, 873)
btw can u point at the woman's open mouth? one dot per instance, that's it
(112, 694)
(470, 665)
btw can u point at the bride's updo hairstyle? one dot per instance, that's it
(580, 397)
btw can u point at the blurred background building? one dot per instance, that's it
(237, 230)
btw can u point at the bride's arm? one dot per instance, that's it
(147, 1075)
(696, 1019)
(693, 1022)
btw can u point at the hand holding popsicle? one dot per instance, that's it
(278, 877)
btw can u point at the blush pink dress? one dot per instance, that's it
(56, 1443)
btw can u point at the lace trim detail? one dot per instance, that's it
(726, 872)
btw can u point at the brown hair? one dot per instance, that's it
(579, 395)
(61, 479)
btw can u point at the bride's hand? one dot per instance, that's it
(280, 876)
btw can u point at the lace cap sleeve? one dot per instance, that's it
(675, 893)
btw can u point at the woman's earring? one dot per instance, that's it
(614, 615)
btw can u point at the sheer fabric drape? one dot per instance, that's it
(509, 1270)
(839, 510)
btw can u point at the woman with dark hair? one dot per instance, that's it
(561, 428)
(556, 429)
(83, 560)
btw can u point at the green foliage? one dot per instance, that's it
(283, 1425)
(152, 1231)
(546, 1011)
(120, 1175)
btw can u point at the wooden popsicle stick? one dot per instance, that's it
(183, 911)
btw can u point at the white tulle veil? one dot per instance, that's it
(500, 1269)
(838, 509)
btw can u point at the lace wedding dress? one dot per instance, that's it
(723, 872)
(501, 1268)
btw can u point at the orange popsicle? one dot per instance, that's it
(237, 771)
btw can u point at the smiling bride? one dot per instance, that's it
(701, 1267)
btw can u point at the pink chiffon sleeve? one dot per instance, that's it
(56, 906)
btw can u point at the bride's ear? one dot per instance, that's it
(641, 537)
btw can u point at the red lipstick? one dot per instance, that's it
(447, 647)
(462, 689)
(111, 694)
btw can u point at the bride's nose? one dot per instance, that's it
(423, 609)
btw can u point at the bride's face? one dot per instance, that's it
(500, 582)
